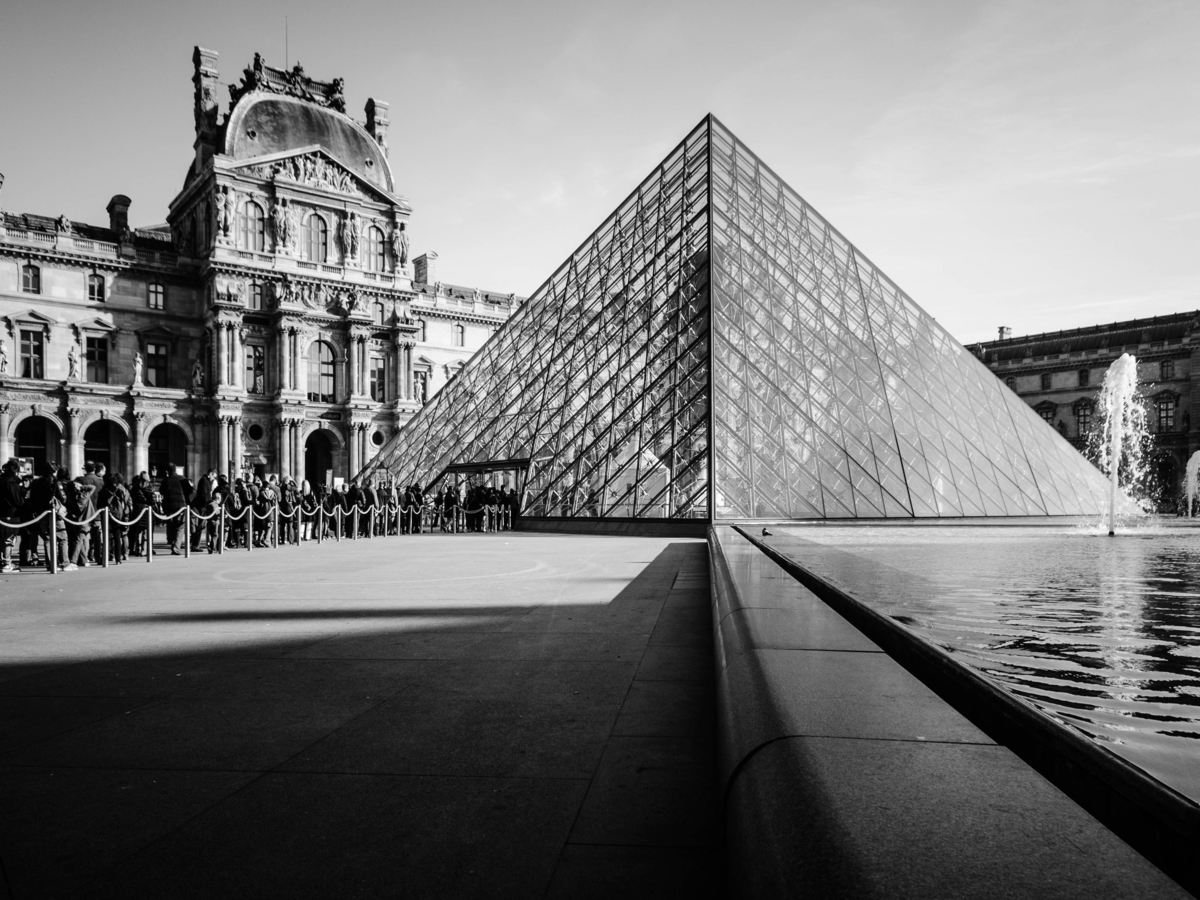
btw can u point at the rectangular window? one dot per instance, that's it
(1046, 381)
(1166, 414)
(378, 379)
(256, 295)
(158, 296)
(1168, 370)
(96, 288)
(33, 354)
(1083, 416)
(31, 279)
(1084, 377)
(256, 369)
(96, 359)
(1047, 413)
(156, 365)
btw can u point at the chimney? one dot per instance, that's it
(118, 213)
(1005, 332)
(425, 268)
(377, 122)
(204, 82)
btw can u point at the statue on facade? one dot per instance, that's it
(73, 363)
(477, 296)
(228, 202)
(137, 369)
(198, 376)
(279, 222)
(337, 96)
(62, 225)
(293, 227)
(350, 301)
(400, 247)
(3, 357)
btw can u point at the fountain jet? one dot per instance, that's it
(1123, 435)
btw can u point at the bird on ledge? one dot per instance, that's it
(766, 533)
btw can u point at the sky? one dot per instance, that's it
(1028, 164)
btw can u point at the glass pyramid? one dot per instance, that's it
(716, 350)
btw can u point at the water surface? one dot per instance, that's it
(1101, 633)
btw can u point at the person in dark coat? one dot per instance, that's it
(93, 474)
(176, 493)
(12, 499)
(203, 505)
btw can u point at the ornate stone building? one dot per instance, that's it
(1060, 373)
(275, 323)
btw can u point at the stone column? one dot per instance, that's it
(295, 353)
(350, 374)
(285, 447)
(362, 366)
(222, 351)
(6, 448)
(141, 451)
(74, 443)
(282, 357)
(239, 363)
(223, 445)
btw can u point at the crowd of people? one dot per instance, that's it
(62, 524)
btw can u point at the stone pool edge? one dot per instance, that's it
(1160, 823)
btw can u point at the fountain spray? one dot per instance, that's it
(1193, 476)
(1124, 433)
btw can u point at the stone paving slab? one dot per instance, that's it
(431, 716)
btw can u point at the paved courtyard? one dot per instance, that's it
(506, 715)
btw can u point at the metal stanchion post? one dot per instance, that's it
(187, 532)
(275, 525)
(337, 520)
(320, 522)
(249, 529)
(149, 534)
(221, 531)
(354, 525)
(53, 541)
(105, 523)
(371, 523)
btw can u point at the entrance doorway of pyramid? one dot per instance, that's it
(502, 474)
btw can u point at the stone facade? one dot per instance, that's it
(275, 323)
(1060, 374)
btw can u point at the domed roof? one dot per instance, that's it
(263, 123)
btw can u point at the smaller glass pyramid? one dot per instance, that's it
(716, 350)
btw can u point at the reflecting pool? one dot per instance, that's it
(1101, 633)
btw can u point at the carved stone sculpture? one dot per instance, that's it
(228, 202)
(293, 228)
(400, 247)
(3, 357)
(279, 222)
(73, 363)
(137, 369)
(477, 296)
(353, 228)
(198, 376)
(63, 225)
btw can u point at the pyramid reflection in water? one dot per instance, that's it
(716, 350)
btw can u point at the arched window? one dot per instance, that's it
(380, 314)
(316, 239)
(421, 330)
(373, 249)
(252, 227)
(460, 336)
(322, 373)
(31, 279)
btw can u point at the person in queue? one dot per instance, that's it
(204, 505)
(308, 511)
(93, 475)
(12, 499)
(115, 497)
(176, 494)
(81, 510)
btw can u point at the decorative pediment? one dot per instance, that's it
(157, 333)
(94, 327)
(31, 318)
(312, 166)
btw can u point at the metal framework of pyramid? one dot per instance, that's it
(715, 350)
